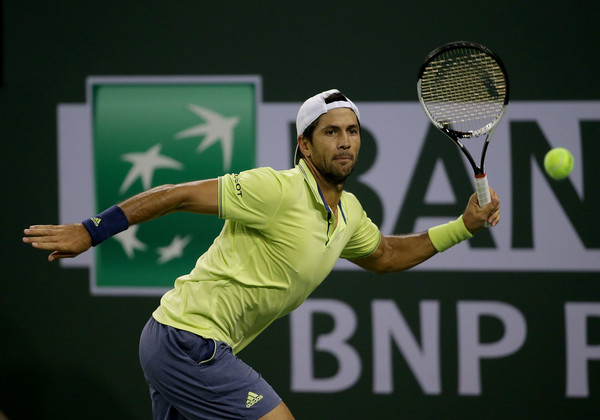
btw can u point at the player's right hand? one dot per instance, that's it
(65, 241)
(476, 216)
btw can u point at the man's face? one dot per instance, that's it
(335, 144)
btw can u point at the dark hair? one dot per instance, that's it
(334, 97)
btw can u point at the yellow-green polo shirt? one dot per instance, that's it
(277, 245)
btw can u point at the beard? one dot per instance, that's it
(335, 173)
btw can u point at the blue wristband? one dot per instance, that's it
(108, 223)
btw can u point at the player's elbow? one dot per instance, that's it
(386, 266)
(380, 271)
(391, 268)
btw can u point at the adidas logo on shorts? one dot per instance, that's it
(253, 399)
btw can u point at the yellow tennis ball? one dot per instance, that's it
(558, 163)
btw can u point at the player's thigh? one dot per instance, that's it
(202, 381)
(281, 412)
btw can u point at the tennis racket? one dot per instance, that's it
(463, 88)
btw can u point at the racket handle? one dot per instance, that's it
(483, 191)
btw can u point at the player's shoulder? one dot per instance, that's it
(265, 172)
(351, 200)
(268, 181)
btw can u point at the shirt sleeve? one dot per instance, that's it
(250, 197)
(364, 241)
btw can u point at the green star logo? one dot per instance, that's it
(147, 134)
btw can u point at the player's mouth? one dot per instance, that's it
(344, 157)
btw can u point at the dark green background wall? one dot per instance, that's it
(67, 355)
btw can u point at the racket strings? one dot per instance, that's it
(464, 90)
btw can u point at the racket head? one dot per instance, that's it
(463, 88)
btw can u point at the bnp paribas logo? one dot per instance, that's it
(146, 132)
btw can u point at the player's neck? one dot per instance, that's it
(332, 195)
(332, 191)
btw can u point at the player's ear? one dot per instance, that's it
(303, 145)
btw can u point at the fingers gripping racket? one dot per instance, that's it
(463, 88)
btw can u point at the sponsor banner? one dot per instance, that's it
(141, 132)
(146, 132)
(421, 346)
(410, 177)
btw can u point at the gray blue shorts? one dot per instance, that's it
(191, 377)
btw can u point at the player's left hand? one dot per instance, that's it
(65, 241)
(476, 216)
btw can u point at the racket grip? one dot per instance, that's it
(483, 191)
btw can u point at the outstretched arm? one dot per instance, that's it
(195, 197)
(68, 241)
(397, 253)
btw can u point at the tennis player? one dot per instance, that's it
(283, 232)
